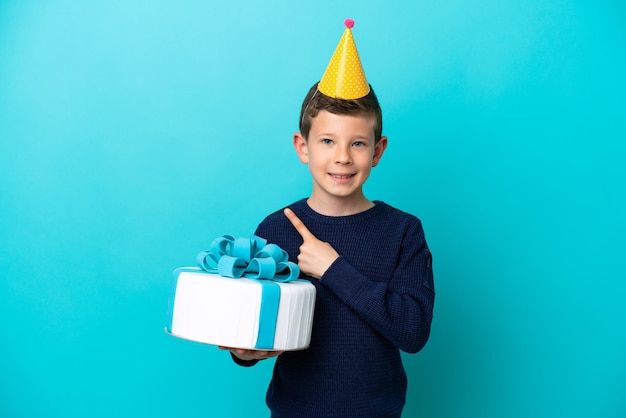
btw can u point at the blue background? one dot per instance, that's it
(134, 132)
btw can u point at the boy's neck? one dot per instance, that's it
(339, 207)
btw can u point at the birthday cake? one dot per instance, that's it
(244, 294)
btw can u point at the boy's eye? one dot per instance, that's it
(359, 144)
(327, 141)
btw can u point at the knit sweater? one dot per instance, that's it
(374, 300)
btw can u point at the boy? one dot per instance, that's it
(368, 261)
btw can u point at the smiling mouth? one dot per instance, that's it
(341, 176)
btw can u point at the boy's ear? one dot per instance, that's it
(379, 150)
(299, 143)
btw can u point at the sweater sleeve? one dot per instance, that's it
(400, 308)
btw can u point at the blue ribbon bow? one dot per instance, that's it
(253, 258)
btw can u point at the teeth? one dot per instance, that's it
(342, 177)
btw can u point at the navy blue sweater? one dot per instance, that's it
(374, 300)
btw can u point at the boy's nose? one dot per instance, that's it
(343, 156)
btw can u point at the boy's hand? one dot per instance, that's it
(247, 355)
(315, 256)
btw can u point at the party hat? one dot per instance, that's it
(344, 77)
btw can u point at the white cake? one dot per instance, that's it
(213, 309)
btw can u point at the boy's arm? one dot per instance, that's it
(401, 309)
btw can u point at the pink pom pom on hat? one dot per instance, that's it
(344, 77)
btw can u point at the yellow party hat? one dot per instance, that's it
(344, 77)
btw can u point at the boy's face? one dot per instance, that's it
(340, 152)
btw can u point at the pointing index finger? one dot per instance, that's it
(298, 224)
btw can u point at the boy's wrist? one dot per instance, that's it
(329, 270)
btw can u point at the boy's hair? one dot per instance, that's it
(316, 101)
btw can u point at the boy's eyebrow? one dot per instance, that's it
(330, 134)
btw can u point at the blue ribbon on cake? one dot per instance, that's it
(253, 258)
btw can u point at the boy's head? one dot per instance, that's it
(316, 101)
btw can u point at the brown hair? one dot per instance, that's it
(316, 101)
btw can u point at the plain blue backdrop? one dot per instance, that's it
(132, 133)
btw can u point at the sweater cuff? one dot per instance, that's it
(243, 363)
(343, 279)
